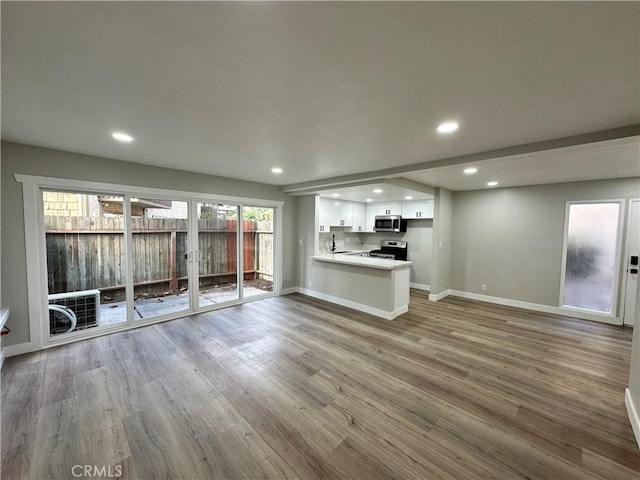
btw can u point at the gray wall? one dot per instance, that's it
(442, 242)
(511, 239)
(306, 231)
(17, 158)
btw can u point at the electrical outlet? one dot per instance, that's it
(310, 283)
(484, 288)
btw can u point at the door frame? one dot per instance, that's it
(35, 246)
(615, 316)
(625, 259)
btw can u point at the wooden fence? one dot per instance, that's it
(86, 253)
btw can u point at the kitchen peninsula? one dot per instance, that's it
(377, 286)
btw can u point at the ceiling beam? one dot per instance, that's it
(379, 175)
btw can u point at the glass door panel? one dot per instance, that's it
(217, 254)
(159, 245)
(86, 268)
(591, 256)
(258, 250)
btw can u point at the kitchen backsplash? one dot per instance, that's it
(364, 241)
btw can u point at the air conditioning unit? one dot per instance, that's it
(85, 305)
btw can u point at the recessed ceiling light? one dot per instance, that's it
(447, 127)
(408, 197)
(335, 194)
(377, 190)
(470, 170)
(122, 137)
(492, 184)
(276, 170)
(368, 200)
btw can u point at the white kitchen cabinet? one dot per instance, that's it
(389, 209)
(325, 215)
(341, 214)
(417, 210)
(370, 218)
(359, 214)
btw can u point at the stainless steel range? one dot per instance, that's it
(392, 249)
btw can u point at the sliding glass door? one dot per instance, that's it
(217, 254)
(258, 255)
(114, 260)
(159, 232)
(86, 266)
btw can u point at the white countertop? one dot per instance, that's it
(370, 262)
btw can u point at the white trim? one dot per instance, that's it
(289, 291)
(420, 286)
(617, 262)
(439, 296)
(19, 349)
(36, 251)
(127, 233)
(278, 270)
(625, 261)
(92, 187)
(356, 306)
(634, 417)
(4, 316)
(562, 311)
(239, 252)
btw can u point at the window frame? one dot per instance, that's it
(36, 259)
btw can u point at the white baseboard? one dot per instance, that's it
(632, 411)
(289, 291)
(439, 296)
(354, 305)
(19, 349)
(420, 286)
(538, 307)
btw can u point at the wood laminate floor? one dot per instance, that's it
(293, 387)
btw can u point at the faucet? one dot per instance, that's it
(333, 243)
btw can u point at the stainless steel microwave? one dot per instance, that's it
(389, 223)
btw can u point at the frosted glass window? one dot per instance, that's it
(591, 243)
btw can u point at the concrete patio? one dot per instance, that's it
(114, 313)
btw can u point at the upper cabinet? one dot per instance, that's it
(417, 210)
(370, 218)
(341, 214)
(325, 215)
(389, 209)
(359, 218)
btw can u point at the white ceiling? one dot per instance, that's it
(600, 160)
(364, 193)
(325, 89)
